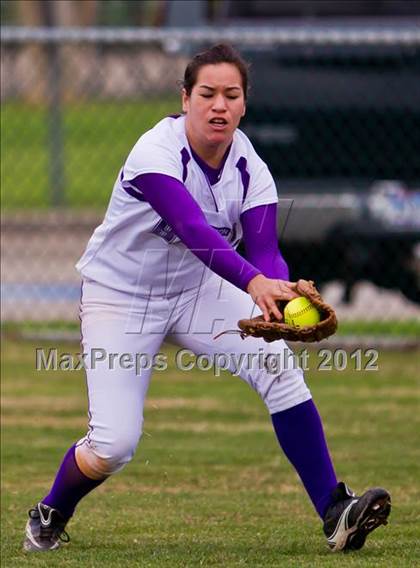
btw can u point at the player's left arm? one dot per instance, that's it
(259, 225)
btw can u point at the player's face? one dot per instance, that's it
(216, 104)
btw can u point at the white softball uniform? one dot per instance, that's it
(134, 250)
(141, 285)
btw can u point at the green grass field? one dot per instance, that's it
(409, 329)
(209, 485)
(97, 138)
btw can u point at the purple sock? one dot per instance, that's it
(70, 486)
(301, 436)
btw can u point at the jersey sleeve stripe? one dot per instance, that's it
(185, 156)
(134, 193)
(241, 164)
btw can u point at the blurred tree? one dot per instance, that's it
(74, 12)
(62, 13)
(29, 12)
(131, 12)
(8, 13)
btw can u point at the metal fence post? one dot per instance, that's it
(55, 119)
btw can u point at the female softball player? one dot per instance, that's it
(163, 265)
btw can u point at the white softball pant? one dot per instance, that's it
(113, 322)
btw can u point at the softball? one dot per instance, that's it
(301, 313)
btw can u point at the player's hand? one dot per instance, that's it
(265, 291)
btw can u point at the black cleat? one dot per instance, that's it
(44, 529)
(349, 519)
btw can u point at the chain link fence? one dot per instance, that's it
(334, 112)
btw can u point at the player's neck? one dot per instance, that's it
(211, 155)
(213, 158)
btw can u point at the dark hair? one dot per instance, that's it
(221, 53)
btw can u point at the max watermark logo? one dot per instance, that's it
(237, 364)
(53, 360)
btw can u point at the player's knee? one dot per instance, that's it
(285, 390)
(121, 450)
(100, 460)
